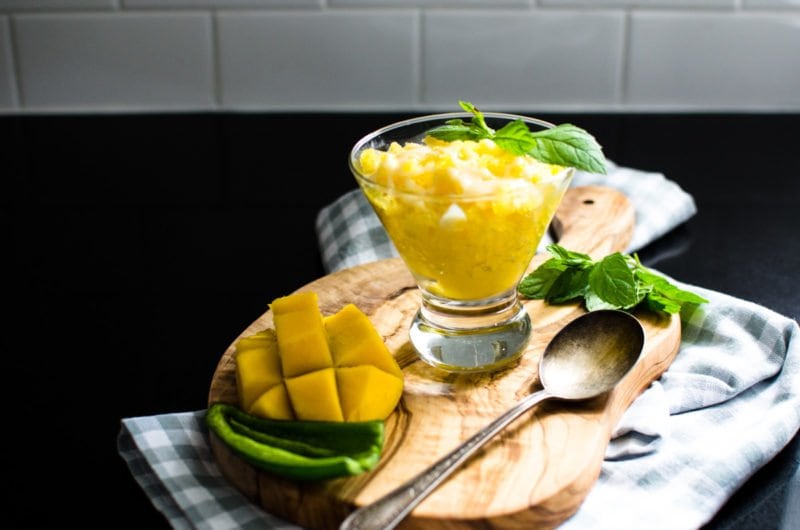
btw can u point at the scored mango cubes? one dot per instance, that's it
(310, 367)
(302, 343)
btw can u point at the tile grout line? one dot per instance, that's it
(625, 58)
(420, 57)
(216, 62)
(17, 96)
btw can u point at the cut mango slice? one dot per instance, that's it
(274, 403)
(354, 341)
(367, 393)
(314, 396)
(258, 366)
(302, 340)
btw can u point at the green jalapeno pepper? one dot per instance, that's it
(301, 450)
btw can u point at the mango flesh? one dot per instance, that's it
(310, 367)
(301, 335)
(355, 341)
(314, 396)
(274, 404)
(257, 366)
(367, 393)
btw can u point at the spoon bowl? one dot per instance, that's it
(591, 354)
(585, 359)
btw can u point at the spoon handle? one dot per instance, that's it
(387, 512)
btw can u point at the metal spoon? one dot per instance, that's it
(587, 358)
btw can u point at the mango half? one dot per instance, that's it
(315, 368)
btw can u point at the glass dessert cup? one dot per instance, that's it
(467, 241)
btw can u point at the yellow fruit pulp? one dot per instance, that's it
(335, 368)
(258, 366)
(466, 216)
(302, 343)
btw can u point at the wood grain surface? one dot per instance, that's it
(533, 475)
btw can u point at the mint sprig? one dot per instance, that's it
(564, 145)
(618, 281)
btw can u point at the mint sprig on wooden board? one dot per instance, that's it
(564, 145)
(618, 281)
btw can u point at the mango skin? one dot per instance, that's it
(310, 367)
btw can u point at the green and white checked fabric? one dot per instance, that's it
(729, 402)
(349, 233)
(170, 457)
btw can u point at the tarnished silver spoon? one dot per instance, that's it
(587, 358)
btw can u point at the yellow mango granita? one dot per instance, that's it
(315, 368)
(465, 215)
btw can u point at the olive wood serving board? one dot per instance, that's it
(537, 472)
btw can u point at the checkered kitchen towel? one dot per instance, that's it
(729, 402)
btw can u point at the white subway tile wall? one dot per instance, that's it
(108, 61)
(772, 3)
(403, 55)
(677, 4)
(199, 4)
(682, 60)
(8, 95)
(493, 4)
(330, 60)
(54, 5)
(513, 59)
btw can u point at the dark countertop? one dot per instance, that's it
(142, 245)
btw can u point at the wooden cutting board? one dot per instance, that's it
(534, 474)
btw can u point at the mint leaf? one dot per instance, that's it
(572, 283)
(458, 130)
(656, 302)
(618, 281)
(613, 281)
(594, 302)
(537, 284)
(569, 145)
(564, 145)
(477, 117)
(570, 257)
(559, 279)
(516, 138)
(661, 288)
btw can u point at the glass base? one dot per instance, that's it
(471, 349)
